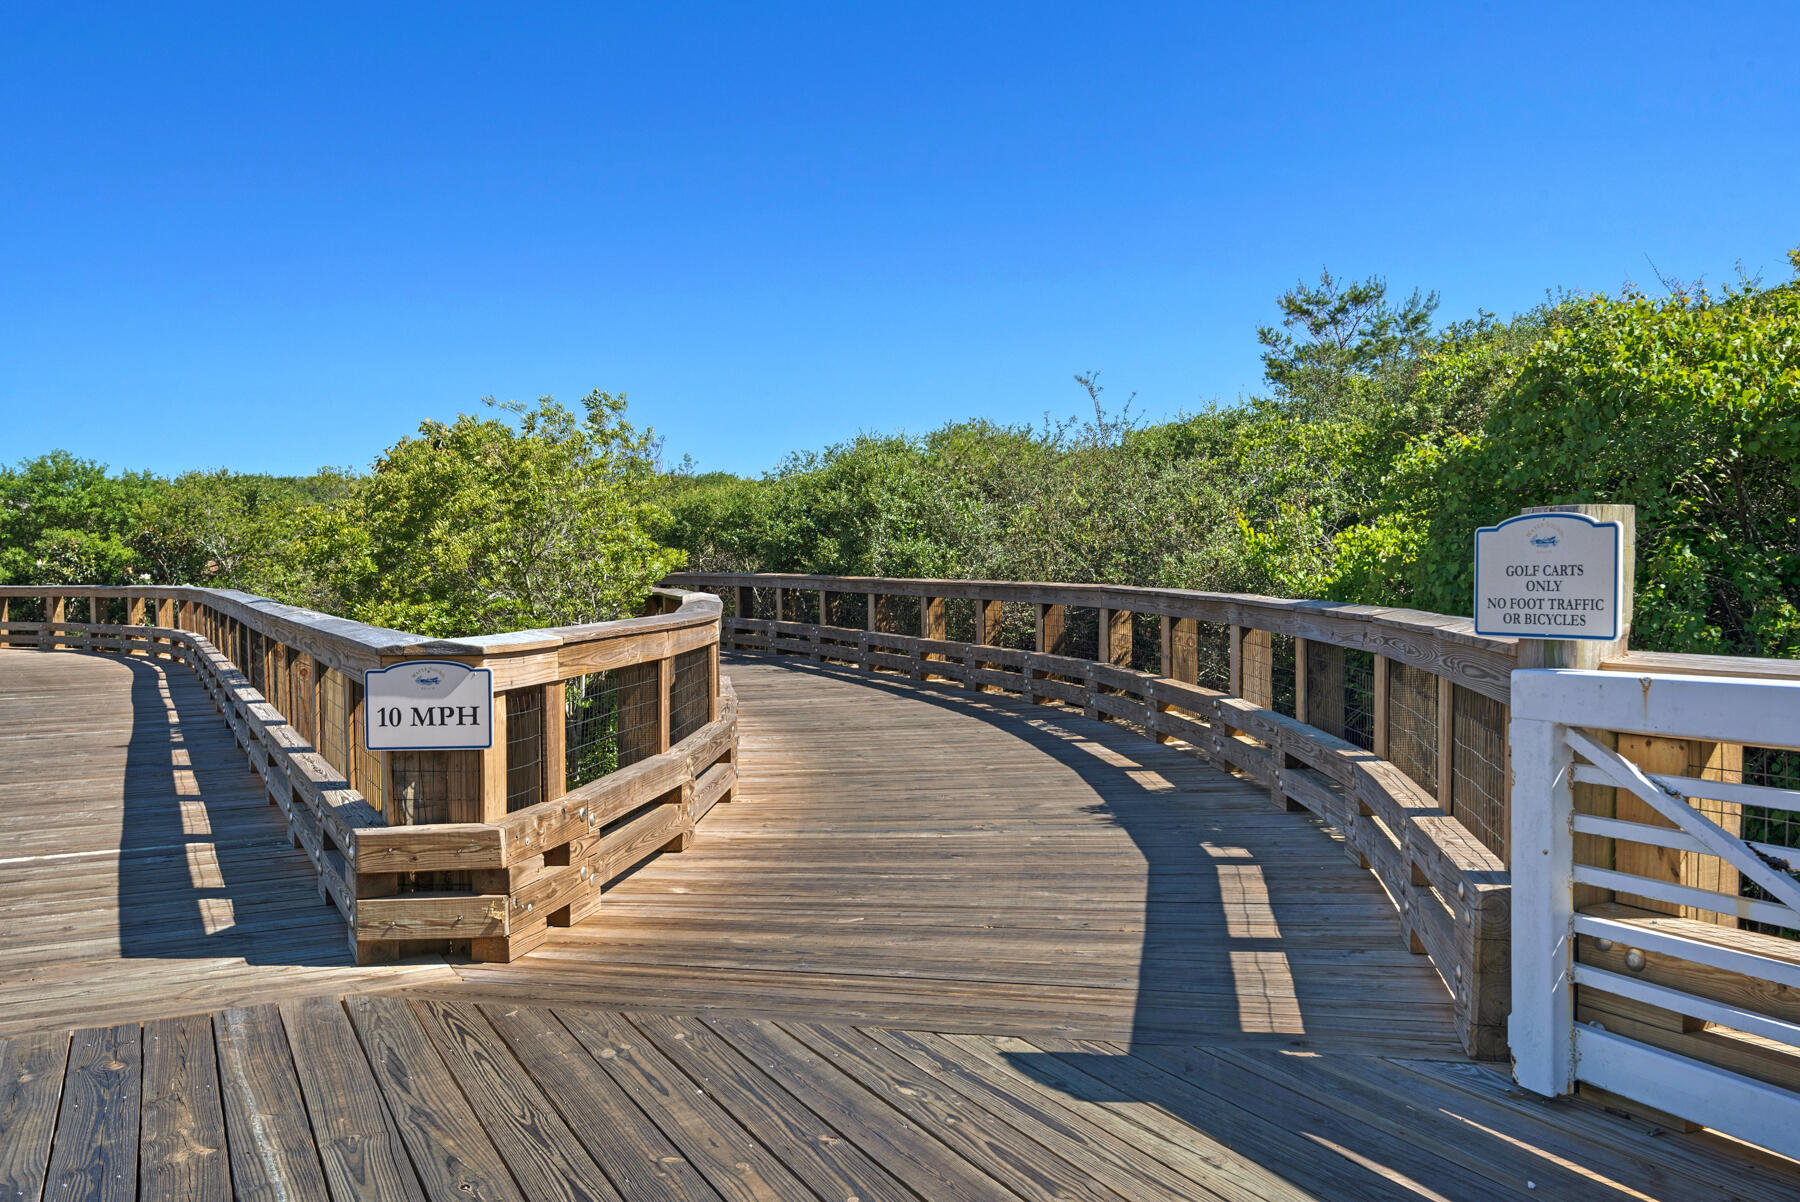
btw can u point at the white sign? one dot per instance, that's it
(428, 705)
(1548, 576)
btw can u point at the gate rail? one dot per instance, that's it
(1663, 993)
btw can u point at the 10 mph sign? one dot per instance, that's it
(428, 705)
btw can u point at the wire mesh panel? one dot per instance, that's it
(959, 620)
(1326, 704)
(1282, 678)
(253, 662)
(1212, 653)
(524, 748)
(800, 605)
(896, 615)
(436, 786)
(1081, 632)
(611, 722)
(1776, 768)
(1018, 625)
(689, 693)
(334, 721)
(591, 715)
(847, 609)
(1478, 797)
(1412, 738)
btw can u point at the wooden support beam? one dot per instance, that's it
(987, 623)
(556, 733)
(1252, 666)
(1115, 637)
(1379, 720)
(1051, 636)
(493, 767)
(1446, 744)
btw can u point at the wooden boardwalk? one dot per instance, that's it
(142, 870)
(943, 946)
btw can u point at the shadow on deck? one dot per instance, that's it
(944, 945)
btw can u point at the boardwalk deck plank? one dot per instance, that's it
(731, 1159)
(451, 1152)
(815, 1151)
(645, 1166)
(941, 944)
(546, 1159)
(31, 1082)
(359, 1146)
(95, 1153)
(274, 1155)
(181, 1145)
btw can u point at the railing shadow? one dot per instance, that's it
(1228, 881)
(206, 869)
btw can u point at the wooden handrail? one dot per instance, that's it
(490, 882)
(1452, 890)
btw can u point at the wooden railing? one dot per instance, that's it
(1388, 724)
(611, 741)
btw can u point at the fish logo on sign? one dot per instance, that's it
(1543, 539)
(427, 678)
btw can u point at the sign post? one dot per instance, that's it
(428, 705)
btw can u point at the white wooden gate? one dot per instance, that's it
(1712, 972)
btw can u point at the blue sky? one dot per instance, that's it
(277, 237)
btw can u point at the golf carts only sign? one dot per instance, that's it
(428, 705)
(1548, 576)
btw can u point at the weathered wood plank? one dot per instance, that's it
(31, 1083)
(272, 1151)
(450, 1151)
(182, 1149)
(544, 1156)
(359, 1147)
(95, 1154)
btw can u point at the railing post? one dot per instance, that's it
(1051, 639)
(932, 625)
(556, 731)
(493, 766)
(1252, 664)
(987, 623)
(1541, 1028)
(1378, 721)
(53, 618)
(1115, 637)
(869, 619)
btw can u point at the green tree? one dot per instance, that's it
(486, 525)
(66, 520)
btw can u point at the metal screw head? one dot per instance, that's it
(1604, 945)
(1462, 891)
(1634, 960)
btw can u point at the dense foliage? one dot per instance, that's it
(1383, 443)
(538, 517)
(1384, 440)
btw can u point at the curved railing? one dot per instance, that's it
(1388, 724)
(611, 740)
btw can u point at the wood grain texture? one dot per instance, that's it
(96, 1148)
(31, 1082)
(360, 1149)
(182, 1137)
